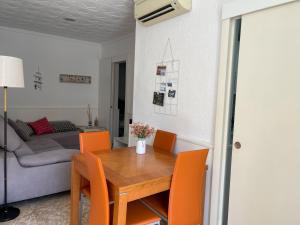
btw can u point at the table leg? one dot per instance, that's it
(75, 195)
(120, 209)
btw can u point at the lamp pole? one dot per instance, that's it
(6, 212)
(5, 146)
(11, 76)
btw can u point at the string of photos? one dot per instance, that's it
(37, 80)
(165, 96)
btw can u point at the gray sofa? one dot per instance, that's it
(37, 167)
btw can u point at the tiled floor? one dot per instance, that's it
(51, 210)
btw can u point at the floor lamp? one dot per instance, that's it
(11, 75)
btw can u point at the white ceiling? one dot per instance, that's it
(96, 20)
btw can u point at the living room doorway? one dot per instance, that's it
(118, 95)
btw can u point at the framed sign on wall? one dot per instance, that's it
(79, 79)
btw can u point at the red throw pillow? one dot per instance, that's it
(42, 126)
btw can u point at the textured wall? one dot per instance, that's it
(54, 55)
(195, 40)
(117, 50)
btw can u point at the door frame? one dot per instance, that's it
(222, 121)
(114, 61)
(114, 94)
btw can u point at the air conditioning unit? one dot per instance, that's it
(149, 12)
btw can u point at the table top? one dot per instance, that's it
(124, 167)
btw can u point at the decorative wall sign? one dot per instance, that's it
(79, 79)
(37, 80)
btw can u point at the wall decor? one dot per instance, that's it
(158, 98)
(37, 80)
(166, 83)
(162, 87)
(171, 93)
(79, 79)
(161, 70)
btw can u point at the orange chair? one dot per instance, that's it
(164, 141)
(137, 213)
(94, 141)
(91, 142)
(185, 203)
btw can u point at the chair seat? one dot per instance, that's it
(137, 213)
(158, 202)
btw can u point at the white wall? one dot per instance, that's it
(54, 55)
(116, 50)
(195, 40)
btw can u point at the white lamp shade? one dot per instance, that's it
(11, 72)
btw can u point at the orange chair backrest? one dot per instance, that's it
(186, 201)
(99, 208)
(94, 141)
(164, 141)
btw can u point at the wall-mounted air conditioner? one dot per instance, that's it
(149, 12)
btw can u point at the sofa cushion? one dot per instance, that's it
(46, 158)
(68, 139)
(41, 144)
(62, 126)
(42, 126)
(13, 139)
(24, 127)
(24, 135)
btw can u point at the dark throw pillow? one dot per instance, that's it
(63, 126)
(24, 127)
(24, 135)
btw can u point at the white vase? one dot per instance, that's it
(141, 146)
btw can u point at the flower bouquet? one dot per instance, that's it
(141, 131)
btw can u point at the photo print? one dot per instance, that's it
(158, 98)
(171, 93)
(163, 87)
(161, 70)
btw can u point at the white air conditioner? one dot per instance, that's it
(149, 12)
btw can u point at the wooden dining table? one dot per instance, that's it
(129, 177)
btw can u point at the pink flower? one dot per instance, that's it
(141, 130)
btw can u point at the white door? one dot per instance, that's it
(265, 174)
(105, 93)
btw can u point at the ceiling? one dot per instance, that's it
(96, 20)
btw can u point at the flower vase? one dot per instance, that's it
(141, 146)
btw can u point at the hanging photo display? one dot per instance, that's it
(165, 96)
(158, 98)
(161, 70)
